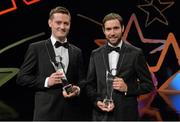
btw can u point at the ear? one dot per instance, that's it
(122, 29)
(103, 29)
(49, 22)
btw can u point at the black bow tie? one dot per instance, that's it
(58, 44)
(110, 49)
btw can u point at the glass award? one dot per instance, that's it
(109, 90)
(59, 67)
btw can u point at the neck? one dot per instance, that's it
(62, 40)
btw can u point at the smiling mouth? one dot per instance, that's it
(61, 31)
(113, 39)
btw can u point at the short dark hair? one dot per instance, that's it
(111, 16)
(59, 9)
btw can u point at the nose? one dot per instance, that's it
(112, 32)
(62, 26)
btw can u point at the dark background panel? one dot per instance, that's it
(29, 20)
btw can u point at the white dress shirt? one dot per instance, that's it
(113, 58)
(63, 52)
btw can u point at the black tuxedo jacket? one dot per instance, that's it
(131, 66)
(49, 102)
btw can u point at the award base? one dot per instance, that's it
(68, 88)
(108, 102)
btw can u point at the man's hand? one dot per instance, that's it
(104, 107)
(75, 92)
(55, 78)
(119, 84)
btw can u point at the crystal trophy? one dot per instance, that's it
(59, 67)
(109, 90)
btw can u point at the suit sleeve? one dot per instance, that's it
(144, 84)
(28, 75)
(81, 71)
(91, 87)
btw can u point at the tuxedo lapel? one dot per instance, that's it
(50, 50)
(121, 57)
(70, 53)
(105, 58)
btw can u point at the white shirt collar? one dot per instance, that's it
(53, 40)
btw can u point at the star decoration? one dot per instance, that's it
(154, 10)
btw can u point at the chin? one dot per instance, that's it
(61, 37)
(114, 43)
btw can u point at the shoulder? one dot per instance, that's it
(74, 48)
(131, 48)
(38, 44)
(97, 50)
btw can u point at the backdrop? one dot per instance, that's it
(152, 25)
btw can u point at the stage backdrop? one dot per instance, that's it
(152, 25)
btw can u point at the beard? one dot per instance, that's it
(115, 42)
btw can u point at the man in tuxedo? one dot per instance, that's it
(117, 75)
(40, 71)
